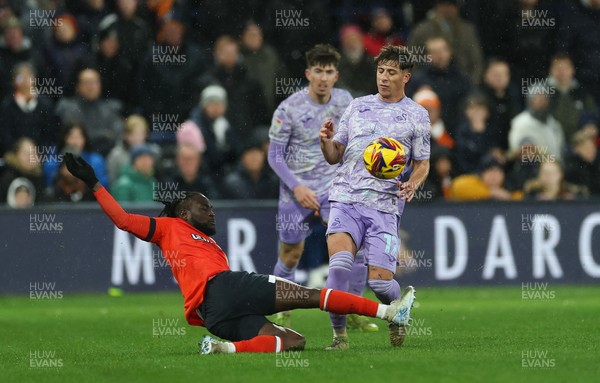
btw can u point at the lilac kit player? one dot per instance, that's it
(366, 119)
(295, 126)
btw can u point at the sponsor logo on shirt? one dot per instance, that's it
(199, 237)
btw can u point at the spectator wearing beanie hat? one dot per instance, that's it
(429, 100)
(222, 143)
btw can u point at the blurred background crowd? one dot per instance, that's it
(168, 95)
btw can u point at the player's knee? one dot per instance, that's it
(337, 242)
(380, 286)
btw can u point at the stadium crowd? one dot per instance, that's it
(175, 94)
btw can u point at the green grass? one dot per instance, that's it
(460, 335)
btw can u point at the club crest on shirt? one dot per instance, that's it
(400, 117)
(199, 237)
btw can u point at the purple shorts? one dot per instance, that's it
(375, 231)
(293, 221)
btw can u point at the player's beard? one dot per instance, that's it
(208, 229)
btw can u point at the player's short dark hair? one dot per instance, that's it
(172, 208)
(395, 55)
(322, 54)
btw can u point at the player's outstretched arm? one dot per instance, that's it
(332, 150)
(141, 226)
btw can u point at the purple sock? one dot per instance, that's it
(340, 267)
(284, 272)
(358, 275)
(386, 291)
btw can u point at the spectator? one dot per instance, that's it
(503, 99)
(15, 48)
(262, 61)
(589, 123)
(101, 117)
(584, 164)
(116, 73)
(570, 99)
(21, 194)
(536, 126)
(520, 165)
(63, 50)
(487, 185)
(89, 14)
(132, 31)
(247, 107)
(163, 11)
(222, 143)
(446, 80)
(73, 138)
(174, 65)
(476, 137)
(578, 33)
(68, 188)
(190, 175)
(357, 69)
(551, 186)
(522, 31)
(137, 183)
(252, 179)
(382, 32)
(461, 35)
(134, 134)
(22, 162)
(25, 114)
(438, 182)
(430, 101)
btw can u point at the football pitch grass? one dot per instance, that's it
(458, 335)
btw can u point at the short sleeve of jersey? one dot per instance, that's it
(281, 126)
(159, 228)
(341, 134)
(421, 146)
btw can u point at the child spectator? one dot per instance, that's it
(550, 185)
(475, 135)
(137, 182)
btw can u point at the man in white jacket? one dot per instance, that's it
(536, 127)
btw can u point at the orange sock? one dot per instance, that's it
(339, 302)
(260, 343)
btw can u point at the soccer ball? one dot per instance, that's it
(385, 158)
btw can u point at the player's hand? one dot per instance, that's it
(81, 169)
(407, 190)
(326, 131)
(306, 197)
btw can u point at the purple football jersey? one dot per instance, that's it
(296, 124)
(366, 119)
